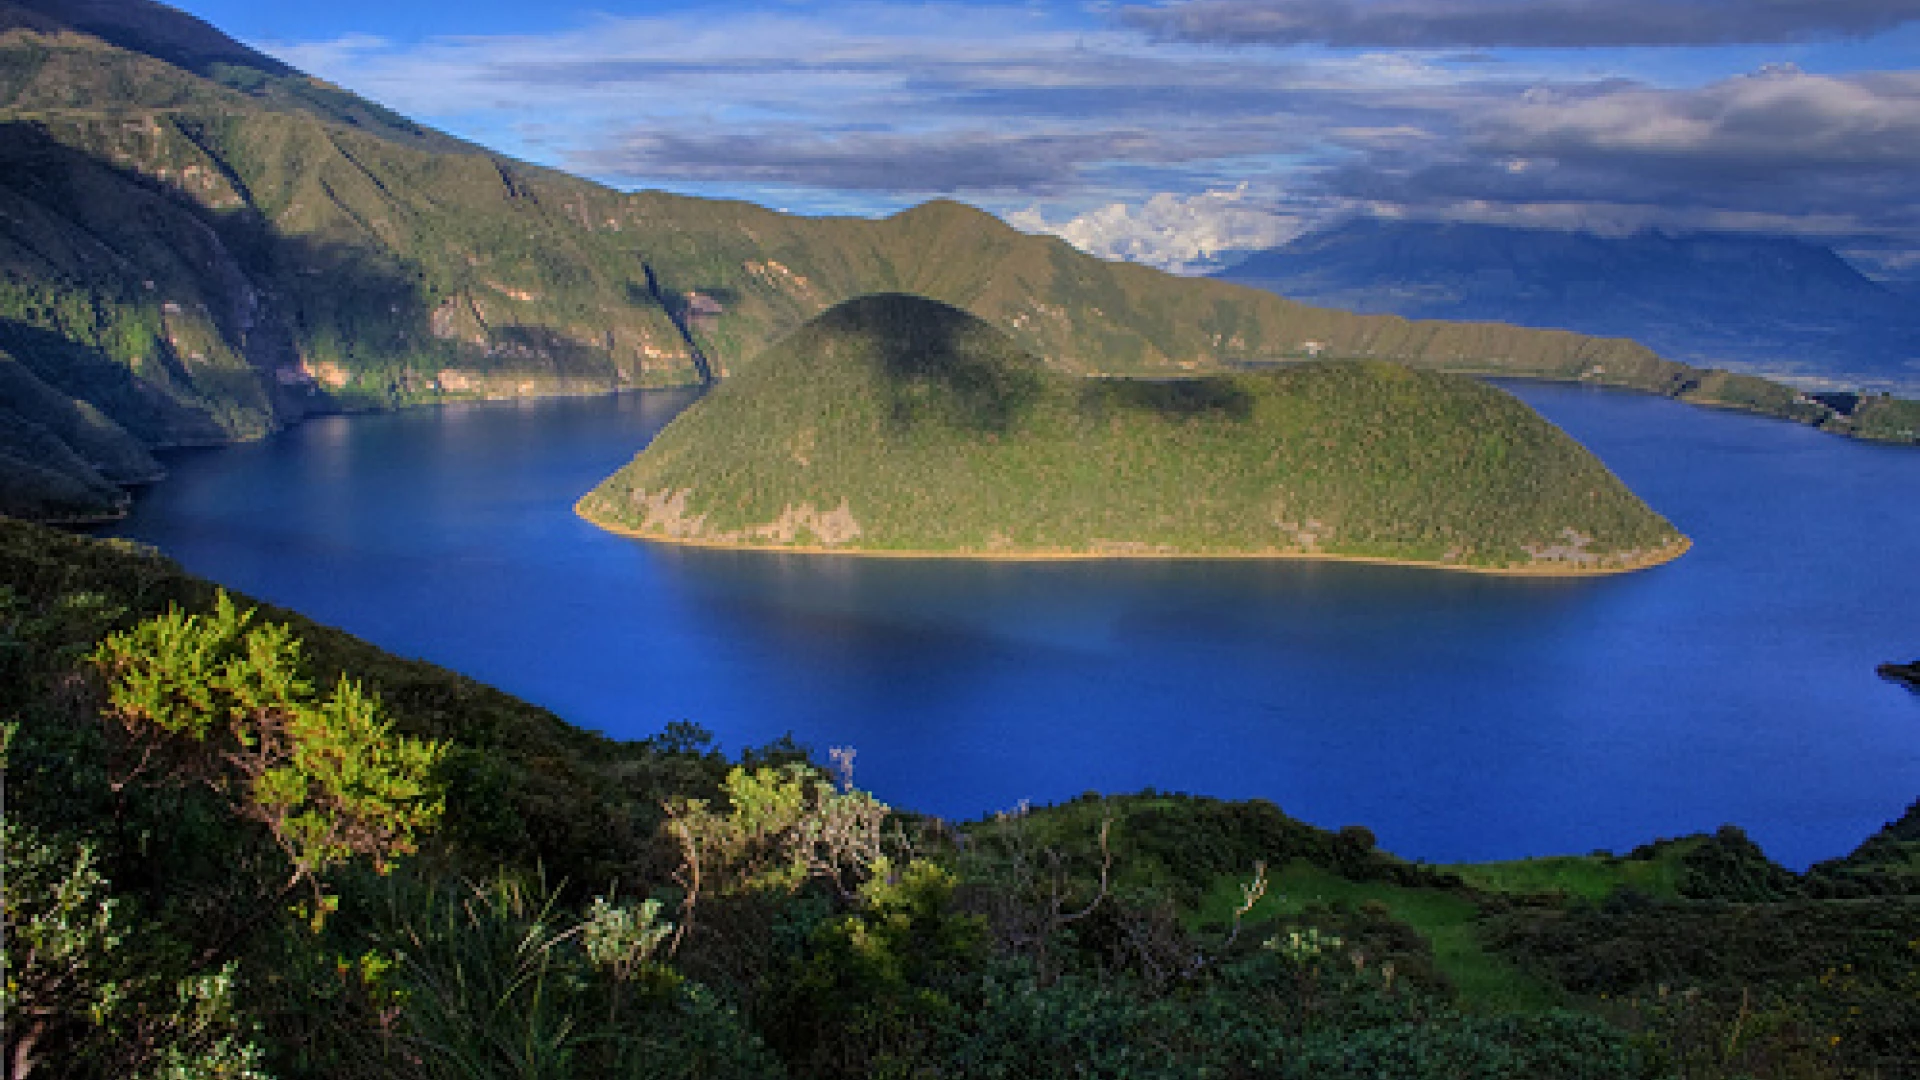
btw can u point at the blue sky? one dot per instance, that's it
(1168, 132)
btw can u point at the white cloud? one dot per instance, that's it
(1779, 152)
(1777, 118)
(1185, 234)
(344, 53)
(980, 101)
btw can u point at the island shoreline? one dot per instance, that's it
(1664, 556)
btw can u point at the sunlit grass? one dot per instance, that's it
(1484, 980)
(1584, 877)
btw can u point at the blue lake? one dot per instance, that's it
(1458, 716)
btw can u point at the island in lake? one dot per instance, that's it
(895, 424)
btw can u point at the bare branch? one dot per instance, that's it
(1250, 894)
(1106, 870)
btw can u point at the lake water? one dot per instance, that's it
(1458, 716)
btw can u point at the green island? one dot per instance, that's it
(896, 424)
(241, 844)
(201, 245)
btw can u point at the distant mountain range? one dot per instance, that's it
(1769, 305)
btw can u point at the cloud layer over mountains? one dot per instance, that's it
(1121, 128)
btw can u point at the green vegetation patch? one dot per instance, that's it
(1446, 920)
(1581, 877)
(1886, 864)
(897, 423)
(1880, 417)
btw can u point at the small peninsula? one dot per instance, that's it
(895, 424)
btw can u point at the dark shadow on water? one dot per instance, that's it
(1907, 675)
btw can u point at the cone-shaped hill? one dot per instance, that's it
(896, 424)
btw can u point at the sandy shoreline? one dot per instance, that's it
(1663, 556)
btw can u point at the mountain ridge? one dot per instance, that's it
(160, 30)
(1765, 304)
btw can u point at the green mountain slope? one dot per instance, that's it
(167, 34)
(201, 244)
(893, 423)
(61, 458)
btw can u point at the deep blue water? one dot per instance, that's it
(1460, 717)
